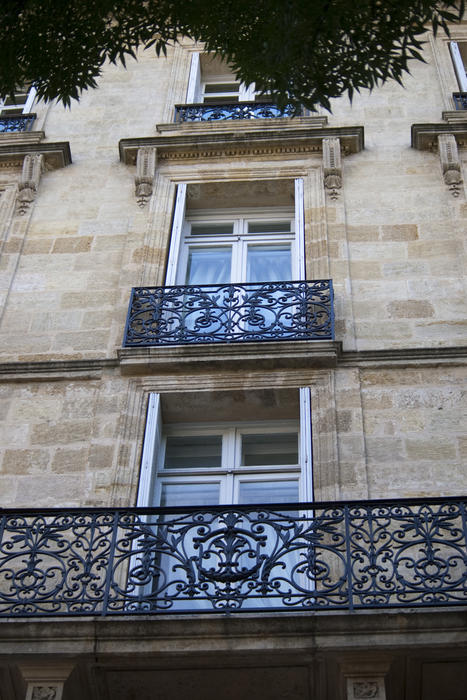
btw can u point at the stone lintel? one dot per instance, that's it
(56, 155)
(425, 136)
(240, 125)
(358, 633)
(286, 139)
(24, 138)
(273, 355)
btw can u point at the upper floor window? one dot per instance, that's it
(212, 82)
(19, 103)
(459, 58)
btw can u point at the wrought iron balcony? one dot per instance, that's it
(237, 110)
(17, 122)
(286, 557)
(460, 100)
(230, 313)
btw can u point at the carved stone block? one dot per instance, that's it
(332, 166)
(450, 163)
(145, 171)
(33, 166)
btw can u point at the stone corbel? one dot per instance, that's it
(365, 678)
(450, 163)
(44, 682)
(33, 167)
(332, 166)
(145, 171)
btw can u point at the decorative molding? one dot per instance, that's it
(214, 143)
(450, 163)
(56, 155)
(425, 136)
(332, 166)
(145, 171)
(41, 692)
(33, 166)
(365, 689)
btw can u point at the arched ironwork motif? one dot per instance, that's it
(230, 558)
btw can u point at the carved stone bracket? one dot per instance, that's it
(33, 166)
(450, 163)
(44, 681)
(145, 171)
(332, 166)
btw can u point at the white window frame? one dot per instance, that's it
(13, 108)
(459, 65)
(153, 475)
(196, 91)
(240, 240)
(270, 213)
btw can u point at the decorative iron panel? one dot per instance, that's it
(238, 110)
(328, 556)
(460, 100)
(17, 122)
(230, 313)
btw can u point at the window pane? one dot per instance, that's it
(204, 229)
(216, 88)
(191, 494)
(268, 491)
(269, 449)
(209, 265)
(191, 452)
(269, 263)
(269, 227)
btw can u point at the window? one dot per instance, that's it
(221, 244)
(228, 461)
(243, 246)
(212, 82)
(20, 103)
(459, 58)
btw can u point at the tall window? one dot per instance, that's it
(459, 58)
(20, 103)
(227, 461)
(212, 81)
(219, 244)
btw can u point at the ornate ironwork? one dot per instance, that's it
(238, 110)
(460, 100)
(378, 554)
(17, 122)
(230, 313)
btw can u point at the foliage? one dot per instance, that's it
(302, 51)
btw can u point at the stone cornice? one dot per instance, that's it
(56, 155)
(280, 139)
(283, 354)
(425, 136)
(21, 138)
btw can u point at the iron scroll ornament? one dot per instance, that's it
(349, 555)
(230, 313)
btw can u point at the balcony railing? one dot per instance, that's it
(460, 100)
(287, 557)
(16, 122)
(230, 313)
(237, 110)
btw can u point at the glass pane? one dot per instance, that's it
(191, 452)
(191, 494)
(269, 227)
(269, 263)
(211, 229)
(269, 449)
(209, 265)
(216, 88)
(268, 491)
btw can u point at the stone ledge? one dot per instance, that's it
(271, 355)
(56, 155)
(425, 136)
(240, 125)
(135, 636)
(17, 138)
(280, 139)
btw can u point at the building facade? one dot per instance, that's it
(211, 307)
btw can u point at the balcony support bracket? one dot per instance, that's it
(145, 171)
(332, 166)
(450, 163)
